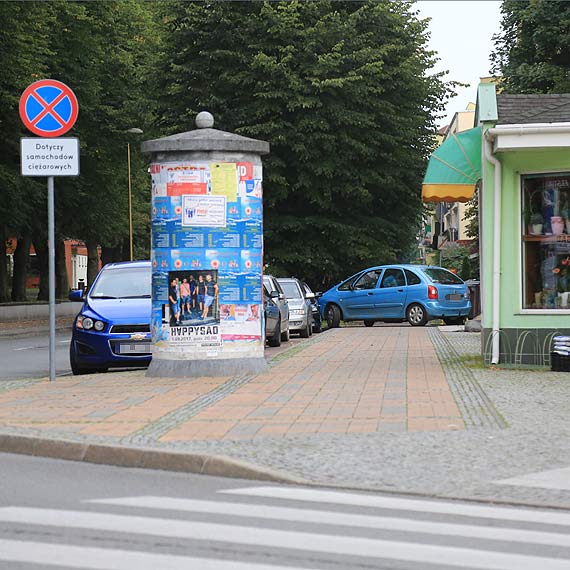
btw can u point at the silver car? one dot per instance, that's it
(300, 312)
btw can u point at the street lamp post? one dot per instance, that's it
(134, 131)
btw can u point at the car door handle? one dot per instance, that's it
(370, 293)
(400, 290)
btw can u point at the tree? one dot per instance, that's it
(341, 91)
(103, 51)
(25, 40)
(532, 51)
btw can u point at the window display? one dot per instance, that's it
(546, 241)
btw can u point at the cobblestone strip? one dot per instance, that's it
(477, 409)
(154, 431)
(296, 349)
(166, 423)
(15, 384)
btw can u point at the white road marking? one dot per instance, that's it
(400, 504)
(341, 519)
(304, 541)
(551, 479)
(61, 555)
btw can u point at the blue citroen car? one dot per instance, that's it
(113, 327)
(397, 293)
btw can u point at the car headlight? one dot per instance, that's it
(297, 312)
(87, 323)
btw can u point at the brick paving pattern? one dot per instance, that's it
(346, 381)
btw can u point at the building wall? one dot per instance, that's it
(515, 164)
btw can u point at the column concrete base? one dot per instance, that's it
(160, 368)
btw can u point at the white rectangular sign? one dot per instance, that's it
(208, 211)
(50, 157)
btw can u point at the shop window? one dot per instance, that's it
(546, 241)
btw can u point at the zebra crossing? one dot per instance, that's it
(284, 528)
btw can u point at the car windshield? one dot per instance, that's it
(123, 283)
(439, 275)
(291, 290)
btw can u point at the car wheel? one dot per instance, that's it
(275, 338)
(416, 315)
(311, 328)
(75, 366)
(318, 327)
(369, 323)
(286, 336)
(333, 316)
(454, 320)
(306, 332)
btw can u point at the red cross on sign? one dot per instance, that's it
(48, 108)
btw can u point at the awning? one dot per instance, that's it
(454, 168)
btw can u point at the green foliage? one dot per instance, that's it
(455, 256)
(532, 51)
(341, 92)
(104, 51)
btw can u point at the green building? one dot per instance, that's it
(519, 156)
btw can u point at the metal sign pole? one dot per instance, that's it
(51, 259)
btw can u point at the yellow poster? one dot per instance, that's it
(223, 180)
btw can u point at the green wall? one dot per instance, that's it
(514, 164)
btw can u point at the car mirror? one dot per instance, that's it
(76, 295)
(309, 295)
(274, 295)
(318, 294)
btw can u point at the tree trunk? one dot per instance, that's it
(4, 293)
(61, 279)
(40, 245)
(111, 254)
(92, 262)
(21, 264)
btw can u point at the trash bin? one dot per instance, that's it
(474, 287)
(560, 355)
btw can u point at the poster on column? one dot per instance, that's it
(193, 303)
(207, 237)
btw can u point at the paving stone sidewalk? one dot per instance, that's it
(388, 407)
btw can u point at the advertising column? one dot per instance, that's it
(207, 258)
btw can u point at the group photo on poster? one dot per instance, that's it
(193, 297)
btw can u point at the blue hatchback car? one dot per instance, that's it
(113, 327)
(396, 293)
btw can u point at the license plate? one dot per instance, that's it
(134, 348)
(455, 297)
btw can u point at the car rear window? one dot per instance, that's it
(291, 290)
(440, 275)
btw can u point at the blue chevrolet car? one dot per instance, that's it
(113, 327)
(397, 293)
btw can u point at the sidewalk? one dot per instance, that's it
(389, 407)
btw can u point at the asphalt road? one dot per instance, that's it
(66, 514)
(28, 356)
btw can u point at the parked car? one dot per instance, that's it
(396, 293)
(113, 327)
(276, 309)
(313, 298)
(301, 315)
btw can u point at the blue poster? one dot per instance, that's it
(231, 256)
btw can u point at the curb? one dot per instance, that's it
(142, 457)
(212, 465)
